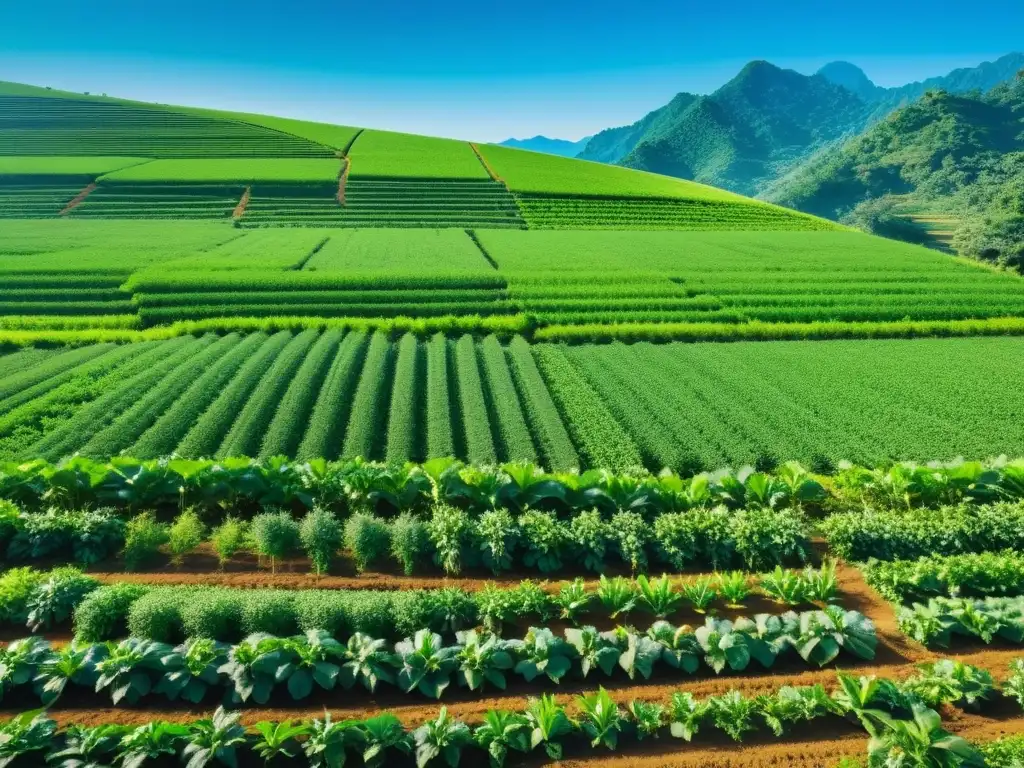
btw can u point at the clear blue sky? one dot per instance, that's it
(478, 70)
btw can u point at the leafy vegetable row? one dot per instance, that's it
(252, 670)
(251, 484)
(896, 715)
(987, 573)
(935, 623)
(909, 534)
(450, 538)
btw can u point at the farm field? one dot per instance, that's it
(322, 443)
(681, 406)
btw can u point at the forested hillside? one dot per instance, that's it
(956, 156)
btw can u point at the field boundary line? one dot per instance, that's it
(483, 251)
(343, 180)
(348, 147)
(78, 199)
(486, 165)
(313, 252)
(239, 211)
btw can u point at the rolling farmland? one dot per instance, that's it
(310, 409)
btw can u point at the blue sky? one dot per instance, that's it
(482, 71)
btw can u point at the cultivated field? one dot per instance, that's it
(322, 445)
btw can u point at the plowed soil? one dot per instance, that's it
(823, 745)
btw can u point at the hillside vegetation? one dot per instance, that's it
(957, 155)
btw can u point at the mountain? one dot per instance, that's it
(548, 146)
(767, 121)
(957, 158)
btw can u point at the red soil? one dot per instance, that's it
(242, 203)
(78, 199)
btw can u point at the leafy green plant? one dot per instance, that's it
(590, 536)
(594, 649)
(541, 653)
(632, 537)
(732, 713)
(252, 668)
(410, 542)
(310, 660)
(450, 532)
(679, 646)
(495, 605)
(70, 664)
(949, 681)
(920, 741)
(547, 722)
(365, 661)
(321, 535)
(441, 737)
(185, 534)
(25, 734)
(328, 741)
(734, 587)
(686, 714)
(274, 535)
(498, 536)
(143, 538)
(868, 699)
(19, 662)
(1014, 685)
(129, 669)
(544, 541)
(618, 595)
(790, 705)
(87, 747)
(482, 660)
(572, 598)
(648, 717)
(658, 596)
(426, 664)
(16, 586)
(52, 601)
(700, 592)
(191, 669)
(379, 734)
(531, 601)
(723, 646)
(500, 732)
(639, 653)
(215, 740)
(150, 743)
(821, 585)
(784, 586)
(228, 538)
(602, 719)
(278, 740)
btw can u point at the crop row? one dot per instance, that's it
(975, 574)
(936, 623)
(249, 672)
(895, 714)
(247, 483)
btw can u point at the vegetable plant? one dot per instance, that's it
(602, 719)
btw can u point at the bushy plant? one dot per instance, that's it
(274, 535)
(590, 537)
(321, 536)
(53, 600)
(144, 536)
(103, 613)
(228, 539)
(410, 542)
(498, 535)
(15, 587)
(632, 535)
(450, 531)
(766, 538)
(186, 534)
(213, 613)
(544, 540)
(157, 616)
(366, 537)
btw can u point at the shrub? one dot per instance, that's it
(320, 532)
(103, 614)
(213, 613)
(366, 537)
(450, 532)
(320, 609)
(446, 610)
(143, 538)
(766, 538)
(269, 611)
(410, 542)
(187, 532)
(228, 538)
(53, 600)
(676, 539)
(545, 540)
(498, 536)
(590, 536)
(157, 616)
(9, 523)
(274, 535)
(632, 535)
(15, 587)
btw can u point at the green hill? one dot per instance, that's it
(767, 121)
(945, 157)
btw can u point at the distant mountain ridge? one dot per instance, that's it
(561, 147)
(767, 121)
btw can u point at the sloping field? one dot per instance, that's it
(383, 154)
(685, 407)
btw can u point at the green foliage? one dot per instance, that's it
(228, 538)
(410, 541)
(186, 533)
(274, 535)
(544, 540)
(143, 538)
(321, 536)
(450, 531)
